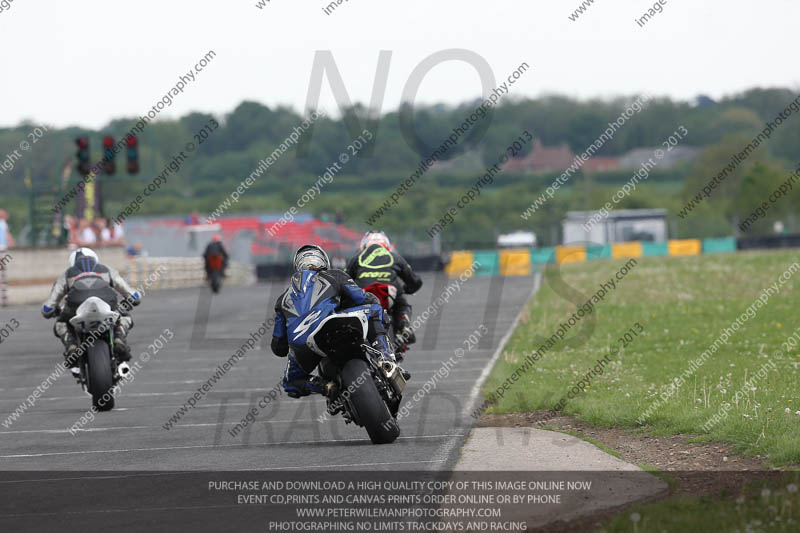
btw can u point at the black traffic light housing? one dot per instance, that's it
(133, 154)
(83, 155)
(109, 165)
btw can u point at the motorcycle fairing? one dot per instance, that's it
(344, 331)
(92, 313)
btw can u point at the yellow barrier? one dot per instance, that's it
(459, 263)
(570, 254)
(626, 249)
(685, 247)
(515, 262)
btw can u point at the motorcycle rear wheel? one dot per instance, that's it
(371, 410)
(99, 375)
(216, 281)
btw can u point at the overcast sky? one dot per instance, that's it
(84, 63)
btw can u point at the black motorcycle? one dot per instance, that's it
(358, 382)
(93, 324)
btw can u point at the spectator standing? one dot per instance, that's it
(118, 233)
(6, 239)
(135, 250)
(6, 242)
(103, 231)
(86, 233)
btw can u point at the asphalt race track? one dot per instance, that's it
(286, 435)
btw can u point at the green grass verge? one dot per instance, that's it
(682, 306)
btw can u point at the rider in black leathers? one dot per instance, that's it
(215, 247)
(86, 277)
(316, 292)
(378, 262)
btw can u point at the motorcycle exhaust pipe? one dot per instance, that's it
(123, 369)
(394, 375)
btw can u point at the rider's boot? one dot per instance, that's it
(122, 351)
(404, 329)
(382, 344)
(70, 353)
(70, 343)
(297, 382)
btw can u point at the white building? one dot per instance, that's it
(517, 239)
(618, 226)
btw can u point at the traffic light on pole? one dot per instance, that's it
(133, 154)
(83, 155)
(109, 166)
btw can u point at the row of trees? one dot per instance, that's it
(252, 131)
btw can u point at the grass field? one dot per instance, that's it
(672, 310)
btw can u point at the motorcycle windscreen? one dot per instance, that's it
(340, 336)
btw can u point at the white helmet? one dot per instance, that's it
(375, 237)
(311, 257)
(82, 252)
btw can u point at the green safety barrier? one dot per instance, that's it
(713, 246)
(654, 248)
(598, 251)
(489, 262)
(542, 256)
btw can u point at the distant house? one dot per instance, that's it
(617, 226)
(601, 164)
(542, 159)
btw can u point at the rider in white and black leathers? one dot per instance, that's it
(316, 292)
(87, 277)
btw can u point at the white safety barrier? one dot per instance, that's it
(180, 272)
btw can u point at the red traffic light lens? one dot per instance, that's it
(108, 142)
(132, 141)
(82, 142)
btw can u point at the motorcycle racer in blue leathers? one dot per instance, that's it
(316, 291)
